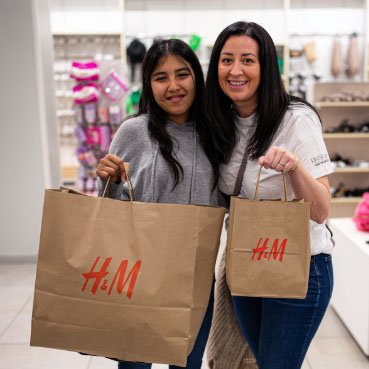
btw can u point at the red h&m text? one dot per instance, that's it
(262, 251)
(119, 277)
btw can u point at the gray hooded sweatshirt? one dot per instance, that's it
(151, 177)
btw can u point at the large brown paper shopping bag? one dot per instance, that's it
(123, 279)
(268, 247)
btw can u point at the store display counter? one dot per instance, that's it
(350, 297)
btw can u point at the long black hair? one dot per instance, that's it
(272, 98)
(158, 117)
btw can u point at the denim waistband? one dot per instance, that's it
(320, 256)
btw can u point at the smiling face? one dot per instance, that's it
(239, 73)
(173, 87)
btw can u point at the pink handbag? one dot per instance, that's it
(361, 215)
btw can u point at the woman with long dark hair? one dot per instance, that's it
(255, 121)
(168, 148)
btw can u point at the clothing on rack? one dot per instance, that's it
(136, 51)
(336, 63)
(353, 57)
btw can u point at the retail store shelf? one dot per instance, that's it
(69, 172)
(342, 104)
(351, 170)
(346, 200)
(345, 135)
(335, 115)
(65, 113)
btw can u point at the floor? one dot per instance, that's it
(332, 348)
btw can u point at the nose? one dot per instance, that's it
(236, 69)
(173, 85)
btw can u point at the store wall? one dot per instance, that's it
(205, 17)
(321, 19)
(28, 146)
(81, 16)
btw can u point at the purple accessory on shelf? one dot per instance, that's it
(90, 113)
(78, 114)
(80, 134)
(116, 115)
(113, 86)
(105, 135)
(81, 184)
(104, 114)
(90, 158)
(93, 136)
(90, 184)
(82, 172)
(81, 151)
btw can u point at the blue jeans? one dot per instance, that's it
(279, 331)
(194, 360)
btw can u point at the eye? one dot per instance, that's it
(226, 60)
(183, 75)
(160, 78)
(247, 60)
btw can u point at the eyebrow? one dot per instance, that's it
(176, 71)
(244, 54)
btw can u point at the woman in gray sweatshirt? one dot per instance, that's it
(168, 148)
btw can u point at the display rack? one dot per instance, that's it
(68, 47)
(351, 145)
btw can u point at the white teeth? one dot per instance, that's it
(237, 83)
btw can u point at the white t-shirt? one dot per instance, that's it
(300, 133)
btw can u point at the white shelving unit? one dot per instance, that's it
(345, 136)
(349, 170)
(343, 104)
(68, 47)
(349, 145)
(346, 201)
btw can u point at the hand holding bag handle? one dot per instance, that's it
(284, 185)
(130, 188)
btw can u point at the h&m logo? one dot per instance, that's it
(120, 277)
(275, 250)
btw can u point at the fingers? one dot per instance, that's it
(125, 170)
(111, 165)
(278, 162)
(278, 159)
(107, 168)
(272, 157)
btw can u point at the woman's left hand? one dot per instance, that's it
(278, 159)
(313, 190)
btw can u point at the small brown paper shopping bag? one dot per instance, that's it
(268, 247)
(123, 279)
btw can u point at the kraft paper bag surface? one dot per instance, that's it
(125, 280)
(268, 248)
